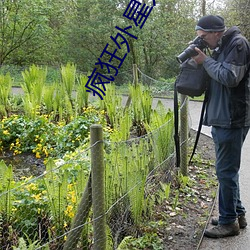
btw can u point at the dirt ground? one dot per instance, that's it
(187, 222)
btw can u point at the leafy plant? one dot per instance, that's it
(82, 96)
(48, 98)
(164, 191)
(30, 208)
(33, 85)
(141, 104)
(22, 245)
(111, 104)
(68, 74)
(5, 90)
(147, 241)
(43, 137)
(161, 126)
(6, 184)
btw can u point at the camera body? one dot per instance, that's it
(190, 51)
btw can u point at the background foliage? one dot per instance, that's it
(49, 32)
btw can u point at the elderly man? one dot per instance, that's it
(228, 112)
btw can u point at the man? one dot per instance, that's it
(228, 112)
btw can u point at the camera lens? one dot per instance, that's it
(187, 53)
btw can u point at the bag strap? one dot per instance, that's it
(199, 127)
(176, 126)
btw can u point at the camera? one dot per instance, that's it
(190, 51)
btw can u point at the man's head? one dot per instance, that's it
(211, 28)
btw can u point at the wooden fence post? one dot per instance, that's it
(98, 195)
(135, 82)
(135, 74)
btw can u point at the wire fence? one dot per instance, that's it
(55, 210)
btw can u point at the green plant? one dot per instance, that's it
(147, 241)
(164, 191)
(141, 104)
(126, 173)
(34, 81)
(28, 245)
(43, 137)
(184, 181)
(111, 104)
(161, 126)
(48, 98)
(68, 74)
(176, 199)
(82, 96)
(30, 208)
(6, 184)
(5, 90)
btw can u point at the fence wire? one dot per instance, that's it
(43, 210)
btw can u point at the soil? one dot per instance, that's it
(25, 164)
(186, 223)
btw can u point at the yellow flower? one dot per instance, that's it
(37, 196)
(45, 151)
(38, 156)
(14, 209)
(69, 211)
(6, 132)
(73, 199)
(31, 187)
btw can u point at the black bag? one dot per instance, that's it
(192, 80)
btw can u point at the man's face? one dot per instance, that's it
(211, 38)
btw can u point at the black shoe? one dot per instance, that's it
(221, 231)
(241, 219)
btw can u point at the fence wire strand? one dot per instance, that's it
(134, 169)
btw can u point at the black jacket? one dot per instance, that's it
(229, 90)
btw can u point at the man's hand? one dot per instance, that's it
(200, 58)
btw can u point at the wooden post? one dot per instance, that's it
(98, 195)
(184, 135)
(135, 74)
(135, 82)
